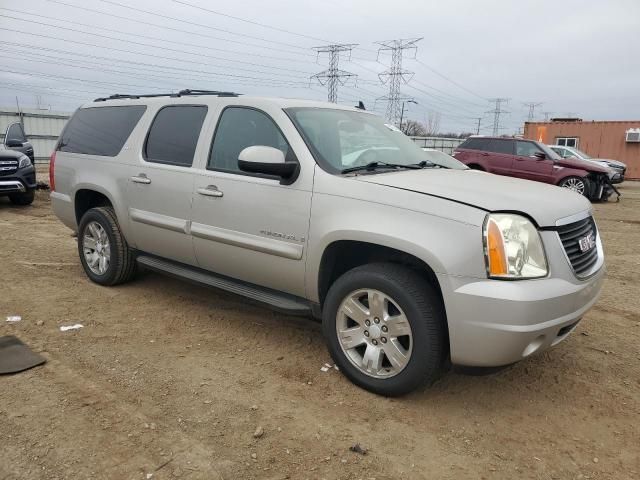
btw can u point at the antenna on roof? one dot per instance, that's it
(360, 105)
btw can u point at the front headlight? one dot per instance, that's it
(24, 162)
(513, 247)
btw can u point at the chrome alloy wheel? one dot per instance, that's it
(575, 184)
(374, 333)
(96, 248)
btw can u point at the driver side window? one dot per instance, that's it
(526, 149)
(239, 128)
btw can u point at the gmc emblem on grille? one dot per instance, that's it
(587, 243)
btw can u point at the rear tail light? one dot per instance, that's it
(52, 177)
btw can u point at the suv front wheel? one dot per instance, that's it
(384, 326)
(104, 252)
(22, 199)
(576, 184)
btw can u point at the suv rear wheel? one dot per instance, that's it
(384, 326)
(104, 252)
(23, 199)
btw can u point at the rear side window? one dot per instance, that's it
(476, 144)
(501, 146)
(15, 132)
(174, 134)
(100, 130)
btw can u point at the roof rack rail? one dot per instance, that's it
(181, 93)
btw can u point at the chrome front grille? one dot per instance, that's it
(579, 242)
(8, 167)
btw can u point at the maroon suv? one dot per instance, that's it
(517, 157)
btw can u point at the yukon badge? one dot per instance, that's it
(282, 236)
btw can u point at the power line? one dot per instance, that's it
(497, 111)
(175, 42)
(395, 74)
(139, 65)
(450, 80)
(189, 32)
(532, 107)
(148, 12)
(249, 21)
(143, 76)
(333, 76)
(156, 46)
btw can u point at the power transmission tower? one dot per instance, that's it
(333, 76)
(497, 111)
(394, 75)
(532, 107)
(547, 115)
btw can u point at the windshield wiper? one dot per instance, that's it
(371, 166)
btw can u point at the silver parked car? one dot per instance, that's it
(410, 260)
(617, 169)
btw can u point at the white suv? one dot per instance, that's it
(411, 260)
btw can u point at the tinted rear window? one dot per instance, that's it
(100, 130)
(501, 146)
(174, 134)
(476, 144)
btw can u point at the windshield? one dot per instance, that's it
(549, 151)
(442, 159)
(342, 139)
(580, 154)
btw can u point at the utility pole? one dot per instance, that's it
(497, 111)
(479, 119)
(402, 112)
(333, 76)
(532, 107)
(394, 75)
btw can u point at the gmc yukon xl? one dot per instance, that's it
(411, 261)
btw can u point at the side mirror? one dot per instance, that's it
(13, 143)
(540, 155)
(268, 161)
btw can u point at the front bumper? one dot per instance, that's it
(19, 181)
(494, 323)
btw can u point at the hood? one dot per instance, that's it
(612, 162)
(10, 154)
(574, 162)
(544, 203)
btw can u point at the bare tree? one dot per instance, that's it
(414, 129)
(432, 123)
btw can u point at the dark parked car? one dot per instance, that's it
(17, 170)
(531, 160)
(15, 139)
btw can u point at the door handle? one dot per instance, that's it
(210, 191)
(142, 178)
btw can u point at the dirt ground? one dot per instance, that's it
(168, 380)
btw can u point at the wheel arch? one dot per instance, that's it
(88, 197)
(342, 255)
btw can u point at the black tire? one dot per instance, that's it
(424, 310)
(122, 265)
(586, 186)
(23, 199)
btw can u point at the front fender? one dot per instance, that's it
(448, 246)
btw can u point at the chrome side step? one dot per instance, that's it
(280, 301)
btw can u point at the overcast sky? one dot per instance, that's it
(576, 57)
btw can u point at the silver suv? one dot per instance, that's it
(411, 260)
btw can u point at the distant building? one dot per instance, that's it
(617, 140)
